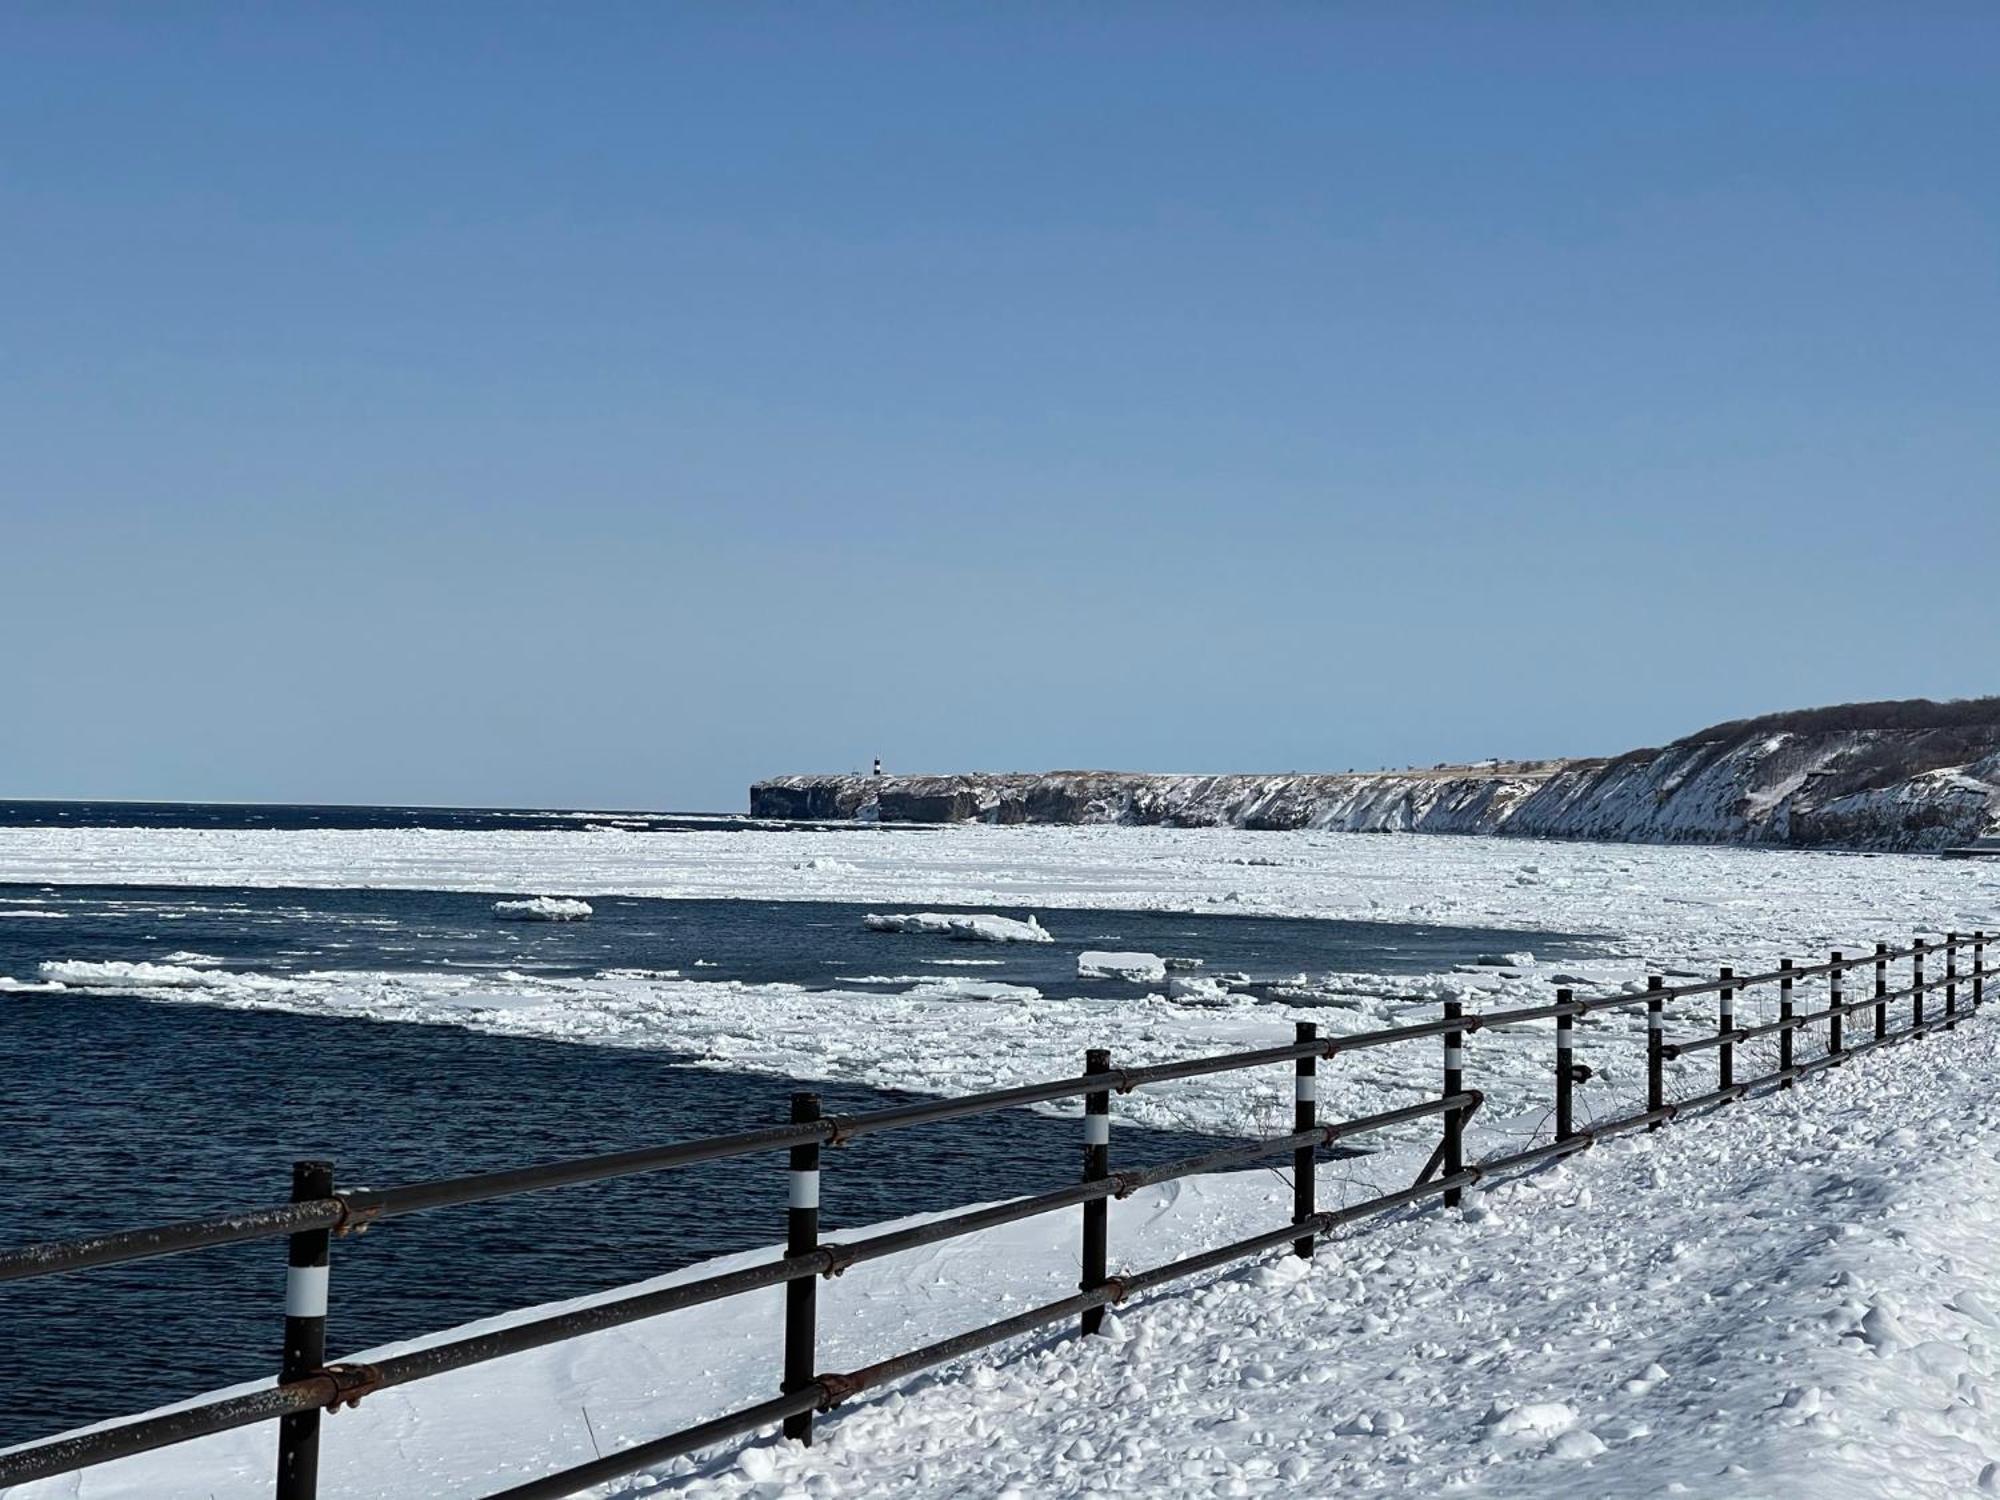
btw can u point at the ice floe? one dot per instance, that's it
(983, 928)
(1140, 968)
(542, 909)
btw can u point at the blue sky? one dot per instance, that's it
(608, 404)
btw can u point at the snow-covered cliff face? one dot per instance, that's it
(1475, 802)
(1872, 789)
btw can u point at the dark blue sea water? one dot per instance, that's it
(286, 815)
(118, 1111)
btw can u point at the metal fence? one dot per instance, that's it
(1743, 1038)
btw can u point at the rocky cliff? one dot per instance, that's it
(1911, 775)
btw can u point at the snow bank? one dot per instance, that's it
(1140, 968)
(542, 909)
(976, 929)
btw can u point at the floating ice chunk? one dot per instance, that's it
(1140, 968)
(113, 972)
(984, 928)
(542, 909)
(1194, 989)
(942, 988)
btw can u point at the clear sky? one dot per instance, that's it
(609, 404)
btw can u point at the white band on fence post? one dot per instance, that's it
(1097, 1130)
(1454, 1057)
(805, 1190)
(305, 1291)
(1304, 1088)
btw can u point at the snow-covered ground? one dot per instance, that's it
(1807, 1274)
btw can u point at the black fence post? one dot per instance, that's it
(1978, 969)
(802, 1295)
(1951, 980)
(1785, 1024)
(1454, 1083)
(1836, 996)
(1656, 1048)
(305, 1334)
(1565, 1070)
(1881, 990)
(1096, 1167)
(1917, 984)
(1725, 1022)
(1305, 1115)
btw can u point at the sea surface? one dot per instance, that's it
(292, 815)
(817, 944)
(118, 1111)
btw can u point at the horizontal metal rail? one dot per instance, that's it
(57, 1256)
(328, 1388)
(1807, 1018)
